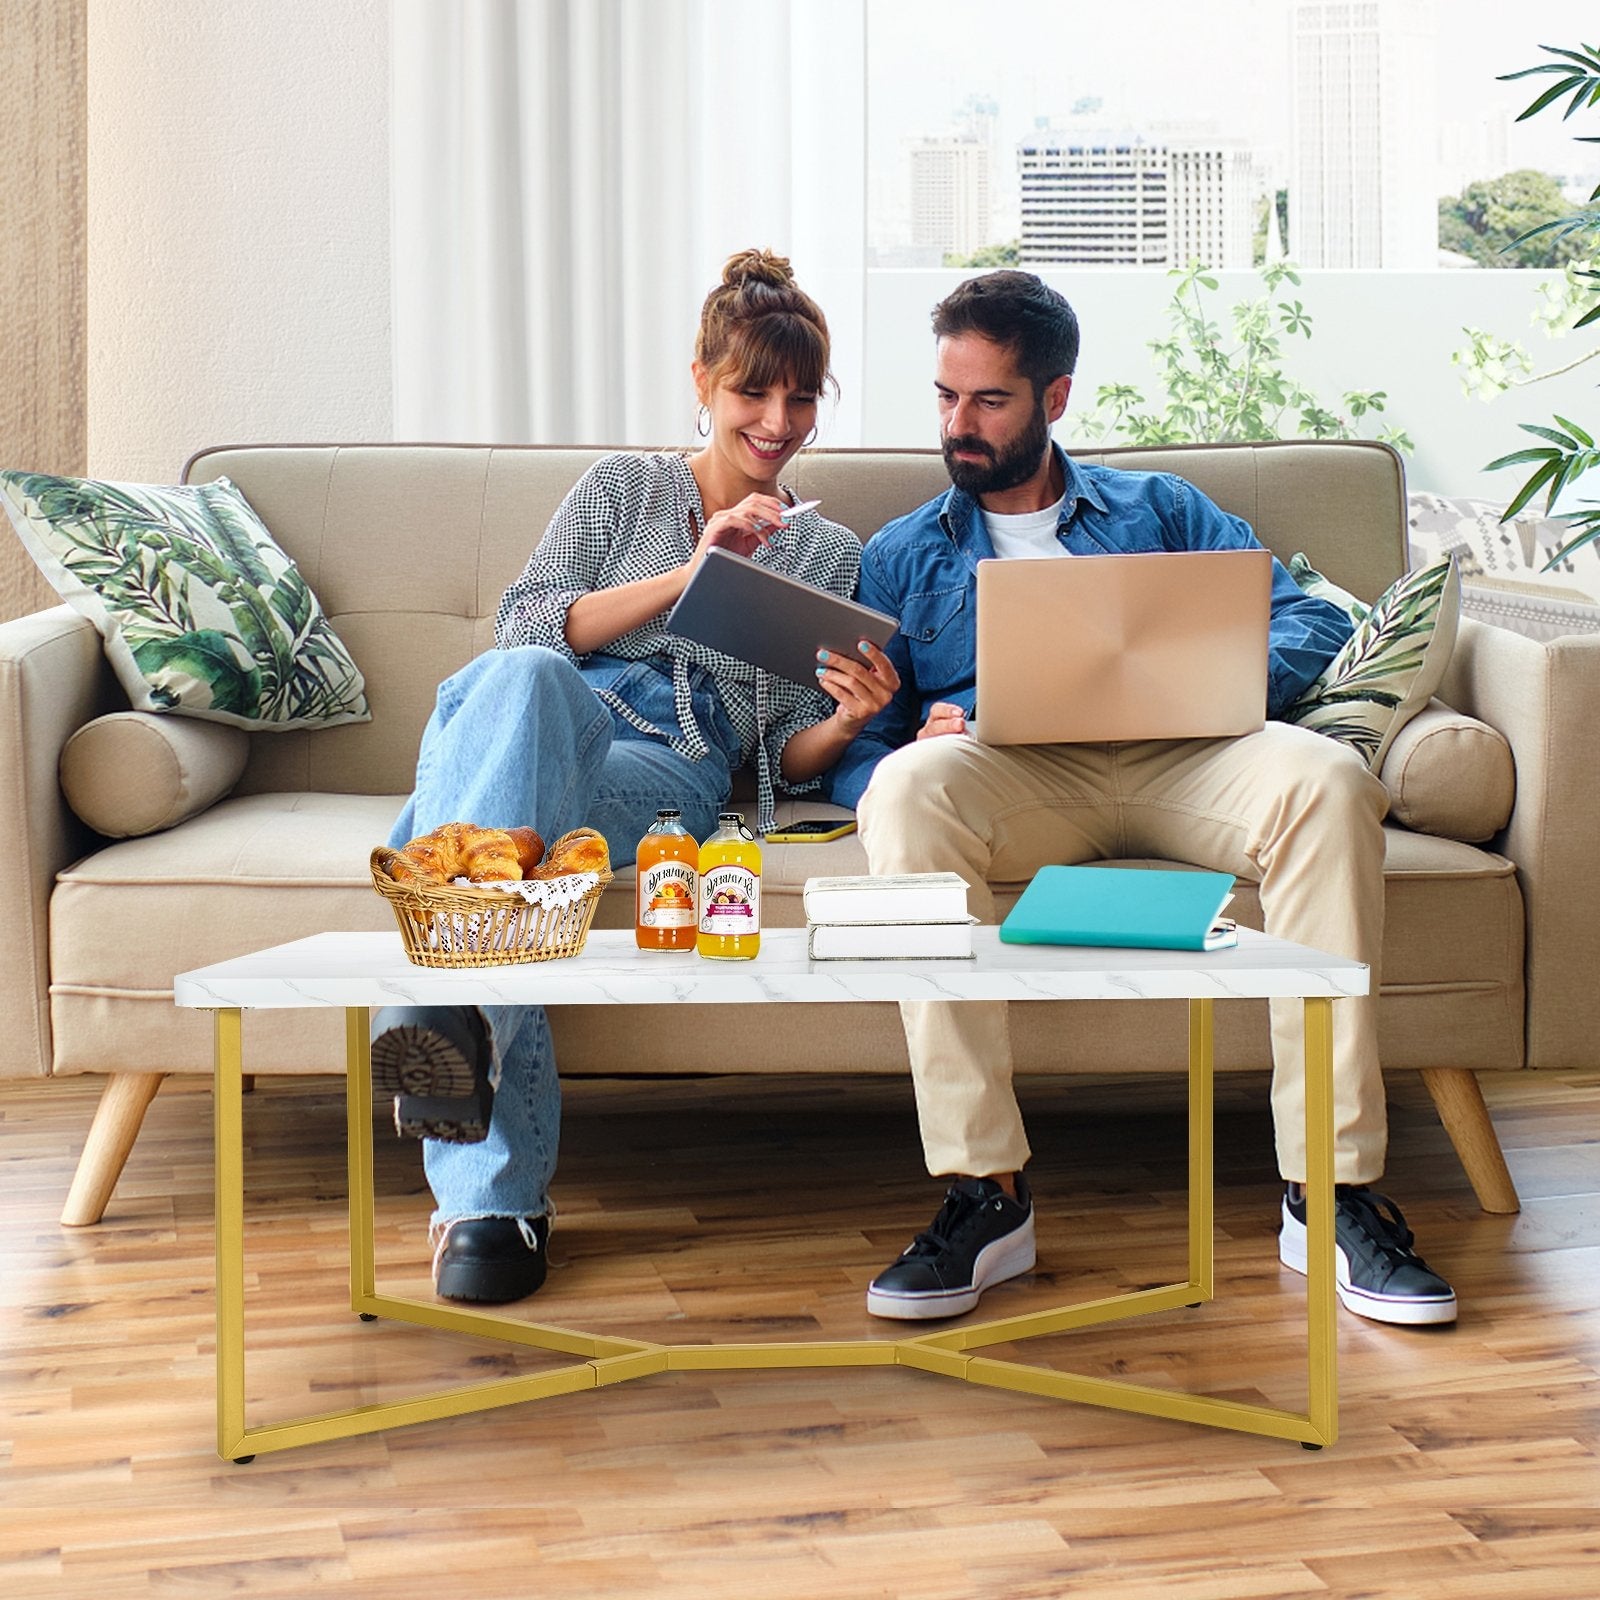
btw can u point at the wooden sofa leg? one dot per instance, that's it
(117, 1120)
(1458, 1098)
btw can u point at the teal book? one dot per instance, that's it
(1123, 906)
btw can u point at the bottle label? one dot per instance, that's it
(667, 895)
(730, 901)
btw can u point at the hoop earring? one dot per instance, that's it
(810, 438)
(702, 422)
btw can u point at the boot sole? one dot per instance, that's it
(490, 1283)
(437, 1093)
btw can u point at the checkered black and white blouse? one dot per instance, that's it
(638, 516)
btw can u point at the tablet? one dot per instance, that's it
(770, 619)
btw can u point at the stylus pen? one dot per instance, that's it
(789, 513)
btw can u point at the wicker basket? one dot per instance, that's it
(447, 925)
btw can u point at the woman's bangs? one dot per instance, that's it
(776, 352)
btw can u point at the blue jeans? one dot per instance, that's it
(520, 737)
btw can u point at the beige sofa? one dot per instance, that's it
(1489, 956)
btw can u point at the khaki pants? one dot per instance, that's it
(1292, 809)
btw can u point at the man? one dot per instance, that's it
(1297, 812)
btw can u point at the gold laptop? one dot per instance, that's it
(1100, 649)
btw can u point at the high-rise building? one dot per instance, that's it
(1211, 205)
(1128, 200)
(1094, 199)
(1363, 190)
(950, 194)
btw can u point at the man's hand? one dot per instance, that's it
(943, 718)
(862, 687)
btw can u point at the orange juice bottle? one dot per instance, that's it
(667, 887)
(730, 891)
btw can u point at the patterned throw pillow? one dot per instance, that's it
(1487, 548)
(1313, 583)
(1504, 580)
(200, 611)
(1391, 665)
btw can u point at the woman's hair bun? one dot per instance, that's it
(758, 266)
(759, 327)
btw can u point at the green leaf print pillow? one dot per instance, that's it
(1391, 665)
(200, 611)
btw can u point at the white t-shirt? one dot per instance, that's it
(1030, 534)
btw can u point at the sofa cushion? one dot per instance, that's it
(1451, 775)
(249, 872)
(200, 610)
(1391, 665)
(262, 869)
(252, 871)
(133, 772)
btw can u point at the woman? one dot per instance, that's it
(590, 713)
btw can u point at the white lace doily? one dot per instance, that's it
(548, 894)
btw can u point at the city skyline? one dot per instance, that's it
(1222, 75)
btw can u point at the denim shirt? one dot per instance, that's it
(923, 569)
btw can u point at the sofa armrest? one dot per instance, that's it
(53, 679)
(1544, 696)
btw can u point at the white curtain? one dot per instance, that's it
(568, 177)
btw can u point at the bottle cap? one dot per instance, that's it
(662, 816)
(731, 816)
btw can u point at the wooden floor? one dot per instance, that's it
(1468, 1463)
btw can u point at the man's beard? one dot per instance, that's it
(1005, 468)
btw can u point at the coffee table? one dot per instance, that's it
(356, 971)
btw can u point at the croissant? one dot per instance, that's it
(582, 850)
(530, 848)
(461, 850)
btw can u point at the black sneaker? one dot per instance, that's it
(1379, 1275)
(491, 1260)
(434, 1060)
(981, 1236)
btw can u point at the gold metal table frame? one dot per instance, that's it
(603, 1359)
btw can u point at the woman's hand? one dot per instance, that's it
(943, 718)
(863, 686)
(742, 528)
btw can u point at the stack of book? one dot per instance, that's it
(909, 917)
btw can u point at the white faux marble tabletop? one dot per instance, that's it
(371, 969)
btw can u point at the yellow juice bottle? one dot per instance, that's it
(730, 891)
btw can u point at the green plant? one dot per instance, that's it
(1491, 365)
(1219, 388)
(1496, 221)
(989, 255)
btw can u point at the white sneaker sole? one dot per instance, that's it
(1006, 1258)
(1407, 1311)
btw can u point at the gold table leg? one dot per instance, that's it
(1321, 1296)
(1318, 1424)
(228, 1114)
(606, 1360)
